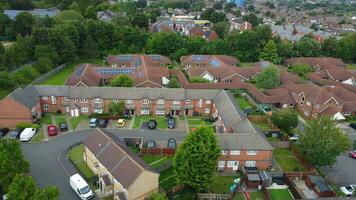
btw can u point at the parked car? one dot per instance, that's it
(348, 190)
(121, 123)
(27, 134)
(52, 130)
(172, 144)
(151, 144)
(353, 154)
(353, 125)
(171, 123)
(293, 137)
(93, 122)
(63, 126)
(81, 187)
(152, 124)
(3, 132)
(15, 134)
(103, 123)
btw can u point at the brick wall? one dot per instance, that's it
(13, 113)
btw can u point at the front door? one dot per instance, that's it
(74, 112)
(186, 111)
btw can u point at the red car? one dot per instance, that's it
(353, 154)
(52, 130)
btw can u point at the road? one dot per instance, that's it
(50, 165)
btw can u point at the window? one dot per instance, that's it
(45, 107)
(221, 164)
(98, 110)
(223, 152)
(308, 103)
(115, 100)
(145, 101)
(53, 98)
(208, 101)
(207, 110)
(45, 98)
(67, 109)
(65, 99)
(160, 112)
(250, 164)
(84, 109)
(232, 163)
(188, 101)
(145, 112)
(235, 152)
(98, 100)
(251, 152)
(317, 106)
(160, 101)
(74, 100)
(129, 101)
(200, 103)
(84, 100)
(176, 102)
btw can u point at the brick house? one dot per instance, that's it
(317, 63)
(121, 173)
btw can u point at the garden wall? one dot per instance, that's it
(158, 151)
(48, 74)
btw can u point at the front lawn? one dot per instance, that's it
(262, 125)
(47, 119)
(76, 120)
(222, 184)
(63, 75)
(194, 122)
(287, 161)
(258, 195)
(60, 119)
(38, 137)
(167, 179)
(280, 194)
(161, 121)
(243, 102)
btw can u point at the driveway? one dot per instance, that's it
(50, 165)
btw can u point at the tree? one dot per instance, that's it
(198, 79)
(140, 20)
(301, 69)
(6, 81)
(67, 16)
(5, 22)
(196, 159)
(157, 196)
(229, 6)
(46, 51)
(221, 28)
(117, 109)
(23, 187)
(308, 47)
(269, 53)
(268, 78)
(12, 161)
(329, 46)
(164, 43)
(323, 141)
(49, 193)
(44, 65)
(346, 47)
(253, 19)
(20, 4)
(122, 80)
(90, 48)
(174, 83)
(23, 24)
(213, 16)
(217, 5)
(286, 120)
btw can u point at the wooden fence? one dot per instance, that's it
(158, 151)
(212, 196)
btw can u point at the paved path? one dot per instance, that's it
(51, 166)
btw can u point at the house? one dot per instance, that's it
(317, 63)
(50, 12)
(206, 34)
(145, 70)
(319, 186)
(121, 173)
(108, 15)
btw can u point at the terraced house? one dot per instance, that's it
(242, 144)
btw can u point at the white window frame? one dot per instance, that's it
(145, 111)
(98, 110)
(67, 109)
(65, 99)
(200, 103)
(233, 164)
(84, 109)
(160, 112)
(208, 101)
(250, 163)
(115, 100)
(83, 100)
(98, 100)
(45, 98)
(160, 102)
(129, 101)
(234, 152)
(251, 152)
(176, 102)
(45, 107)
(145, 101)
(53, 99)
(188, 101)
(223, 152)
(221, 164)
(207, 110)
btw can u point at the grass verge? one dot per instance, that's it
(280, 194)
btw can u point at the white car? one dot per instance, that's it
(293, 137)
(348, 190)
(27, 134)
(81, 187)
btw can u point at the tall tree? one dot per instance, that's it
(308, 47)
(44, 65)
(164, 43)
(268, 78)
(196, 159)
(269, 53)
(253, 19)
(346, 47)
(221, 28)
(49, 193)
(122, 80)
(20, 4)
(46, 51)
(5, 22)
(23, 187)
(90, 48)
(285, 119)
(173, 83)
(328, 47)
(12, 161)
(23, 23)
(323, 141)
(117, 109)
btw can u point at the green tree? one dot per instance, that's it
(23, 187)
(253, 19)
(6, 81)
(196, 159)
(229, 6)
(12, 161)
(164, 43)
(213, 16)
(122, 80)
(49, 193)
(117, 109)
(198, 79)
(308, 47)
(25, 76)
(46, 51)
(268, 78)
(5, 22)
(301, 69)
(23, 24)
(270, 53)
(329, 46)
(285, 119)
(323, 141)
(140, 20)
(157, 196)
(44, 65)
(173, 83)
(20, 4)
(90, 48)
(221, 28)
(346, 47)
(67, 16)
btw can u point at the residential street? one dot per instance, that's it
(50, 164)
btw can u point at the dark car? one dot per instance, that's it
(353, 125)
(151, 144)
(151, 124)
(63, 126)
(172, 144)
(171, 123)
(4, 131)
(15, 134)
(103, 123)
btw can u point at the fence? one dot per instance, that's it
(211, 196)
(280, 144)
(158, 151)
(48, 74)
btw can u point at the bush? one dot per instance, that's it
(27, 125)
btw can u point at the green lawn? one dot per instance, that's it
(60, 119)
(151, 158)
(47, 119)
(222, 184)
(243, 103)
(38, 137)
(76, 120)
(161, 121)
(194, 122)
(280, 194)
(239, 196)
(258, 195)
(351, 66)
(62, 76)
(262, 125)
(287, 160)
(273, 139)
(167, 179)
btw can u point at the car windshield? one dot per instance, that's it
(85, 190)
(349, 188)
(93, 120)
(63, 125)
(51, 128)
(171, 120)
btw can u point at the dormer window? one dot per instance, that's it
(84, 100)
(98, 100)
(160, 101)
(176, 102)
(129, 101)
(145, 101)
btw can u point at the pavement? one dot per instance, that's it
(49, 161)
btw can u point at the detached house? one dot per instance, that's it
(121, 173)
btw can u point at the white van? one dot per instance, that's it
(27, 134)
(81, 187)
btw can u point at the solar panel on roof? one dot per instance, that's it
(214, 63)
(198, 57)
(110, 71)
(138, 62)
(79, 71)
(125, 57)
(155, 57)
